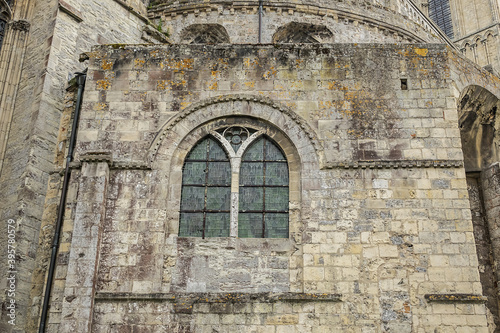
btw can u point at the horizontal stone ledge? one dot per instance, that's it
(192, 298)
(455, 298)
(395, 164)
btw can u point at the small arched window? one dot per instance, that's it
(235, 183)
(296, 32)
(204, 34)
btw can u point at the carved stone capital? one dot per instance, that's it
(22, 25)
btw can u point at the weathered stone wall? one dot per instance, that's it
(380, 221)
(357, 21)
(60, 31)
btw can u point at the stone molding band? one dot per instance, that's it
(235, 297)
(395, 164)
(455, 298)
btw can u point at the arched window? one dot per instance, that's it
(206, 191)
(263, 206)
(204, 34)
(296, 32)
(235, 183)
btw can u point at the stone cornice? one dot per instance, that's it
(455, 298)
(395, 164)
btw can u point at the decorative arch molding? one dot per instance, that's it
(296, 128)
(204, 34)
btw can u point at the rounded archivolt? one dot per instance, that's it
(204, 34)
(303, 33)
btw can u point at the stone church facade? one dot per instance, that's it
(305, 166)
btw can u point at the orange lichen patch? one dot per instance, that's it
(334, 85)
(406, 308)
(185, 105)
(250, 62)
(214, 74)
(139, 63)
(422, 52)
(250, 84)
(162, 85)
(213, 86)
(298, 63)
(220, 64)
(100, 106)
(178, 64)
(106, 65)
(103, 85)
(270, 74)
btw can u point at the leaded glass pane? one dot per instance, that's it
(219, 173)
(206, 165)
(217, 225)
(251, 198)
(273, 153)
(255, 152)
(250, 225)
(194, 173)
(192, 198)
(276, 225)
(277, 199)
(251, 173)
(191, 225)
(218, 198)
(216, 153)
(199, 152)
(276, 173)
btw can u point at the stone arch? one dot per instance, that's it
(296, 32)
(296, 129)
(479, 125)
(204, 34)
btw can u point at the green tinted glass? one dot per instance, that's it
(194, 173)
(255, 152)
(276, 173)
(218, 198)
(217, 225)
(199, 152)
(191, 225)
(277, 199)
(216, 153)
(251, 198)
(192, 198)
(250, 225)
(273, 153)
(251, 173)
(276, 225)
(219, 173)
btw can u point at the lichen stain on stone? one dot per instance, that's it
(103, 85)
(106, 65)
(421, 52)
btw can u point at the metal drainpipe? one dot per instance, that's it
(62, 203)
(260, 21)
